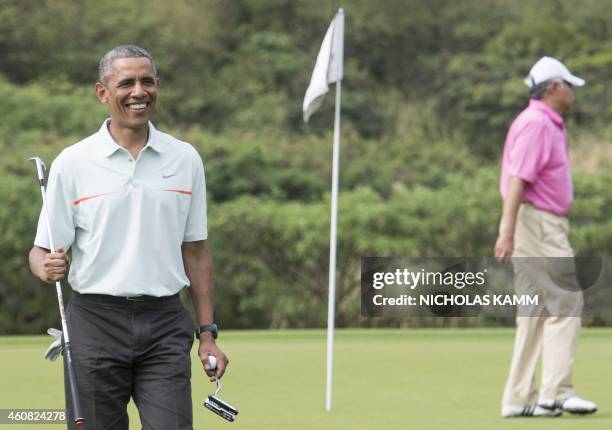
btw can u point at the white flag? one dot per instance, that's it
(329, 66)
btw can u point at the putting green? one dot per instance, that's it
(384, 379)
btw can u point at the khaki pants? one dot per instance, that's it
(542, 234)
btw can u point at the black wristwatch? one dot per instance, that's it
(207, 327)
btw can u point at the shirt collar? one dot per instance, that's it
(543, 107)
(109, 146)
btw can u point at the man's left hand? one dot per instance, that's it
(209, 347)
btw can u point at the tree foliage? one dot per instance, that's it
(429, 91)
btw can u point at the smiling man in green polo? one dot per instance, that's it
(130, 203)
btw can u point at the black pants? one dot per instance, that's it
(124, 348)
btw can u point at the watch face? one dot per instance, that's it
(212, 328)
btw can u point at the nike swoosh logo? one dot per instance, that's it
(168, 175)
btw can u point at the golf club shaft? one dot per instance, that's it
(72, 377)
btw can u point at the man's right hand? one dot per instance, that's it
(504, 246)
(54, 266)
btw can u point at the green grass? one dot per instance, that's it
(384, 379)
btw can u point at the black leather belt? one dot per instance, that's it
(122, 299)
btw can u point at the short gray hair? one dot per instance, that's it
(538, 91)
(123, 51)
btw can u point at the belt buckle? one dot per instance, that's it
(134, 299)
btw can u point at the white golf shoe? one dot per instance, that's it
(576, 405)
(512, 411)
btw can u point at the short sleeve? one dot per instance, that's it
(530, 152)
(197, 223)
(59, 209)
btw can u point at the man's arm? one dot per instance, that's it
(504, 245)
(48, 266)
(199, 268)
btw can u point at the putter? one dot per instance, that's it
(72, 378)
(214, 403)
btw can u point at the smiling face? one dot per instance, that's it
(130, 91)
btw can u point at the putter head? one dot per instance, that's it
(221, 408)
(40, 168)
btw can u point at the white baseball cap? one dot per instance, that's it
(550, 68)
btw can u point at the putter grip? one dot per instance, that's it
(74, 389)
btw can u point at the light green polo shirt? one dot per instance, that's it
(125, 219)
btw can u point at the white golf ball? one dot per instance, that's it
(212, 360)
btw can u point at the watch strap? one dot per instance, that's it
(212, 328)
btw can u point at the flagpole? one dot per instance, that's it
(328, 69)
(332, 250)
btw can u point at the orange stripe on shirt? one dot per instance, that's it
(82, 199)
(179, 191)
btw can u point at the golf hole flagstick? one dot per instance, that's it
(72, 377)
(214, 403)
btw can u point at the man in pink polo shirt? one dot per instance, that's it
(536, 186)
